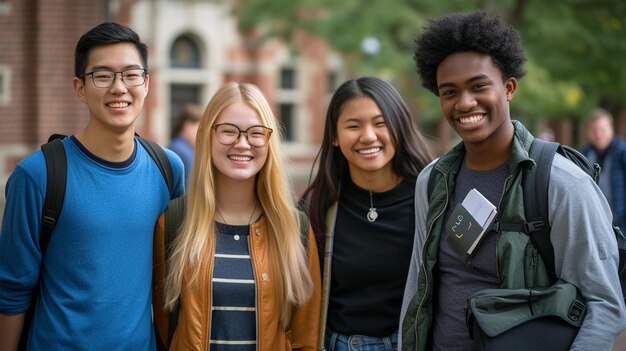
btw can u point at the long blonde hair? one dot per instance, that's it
(196, 238)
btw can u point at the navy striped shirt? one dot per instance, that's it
(233, 309)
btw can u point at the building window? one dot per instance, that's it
(5, 81)
(181, 95)
(187, 85)
(287, 78)
(185, 53)
(287, 121)
(288, 99)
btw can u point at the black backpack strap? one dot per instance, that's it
(56, 169)
(56, 136)
(56, 176)
(535, 188)
(160, 158)
(174, 215)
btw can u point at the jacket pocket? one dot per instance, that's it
(289, 344)
(535, 273)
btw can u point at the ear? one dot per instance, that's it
(146, 83)
(335, 142)
(79, 88)
(510, 85)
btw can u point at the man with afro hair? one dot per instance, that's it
(473, 62)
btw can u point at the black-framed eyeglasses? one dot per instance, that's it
(228, 134)
(133, 77)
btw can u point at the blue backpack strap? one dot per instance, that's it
(160, 158)
(535, 188)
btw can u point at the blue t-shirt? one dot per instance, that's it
(97, 271)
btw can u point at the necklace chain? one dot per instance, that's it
(249, 220)
(372, 214)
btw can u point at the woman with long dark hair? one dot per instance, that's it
(361, 205)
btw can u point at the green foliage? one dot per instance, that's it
(575, 48)
(540, 95)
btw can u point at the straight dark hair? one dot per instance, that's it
(106, 34)
(412, 154)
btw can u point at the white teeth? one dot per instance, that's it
(370, 151)
(472, 119)
(240, 158)
(118, 104)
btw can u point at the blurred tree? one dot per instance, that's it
(574, 47)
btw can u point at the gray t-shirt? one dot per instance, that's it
(457, 279)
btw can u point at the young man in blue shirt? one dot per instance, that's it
(96, 272)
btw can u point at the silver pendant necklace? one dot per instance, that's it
(372, 214)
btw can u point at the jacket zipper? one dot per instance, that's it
(210, 316)
(422, 266)
(256, 292)
(506, 181)
(210, 293)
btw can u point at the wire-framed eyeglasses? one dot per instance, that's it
(228, 134)
(133, 77)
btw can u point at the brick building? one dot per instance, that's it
(194, 46)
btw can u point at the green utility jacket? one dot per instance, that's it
(518, 262)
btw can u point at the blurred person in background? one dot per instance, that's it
(546, 134)
(184, 135)
(609, 151)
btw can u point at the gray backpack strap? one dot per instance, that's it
(535, 188)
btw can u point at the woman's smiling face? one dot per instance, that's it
(364, 139)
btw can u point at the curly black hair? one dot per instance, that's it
(472, 31)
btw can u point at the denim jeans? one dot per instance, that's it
(339, 342)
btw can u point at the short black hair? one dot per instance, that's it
(106, 34)
(470, 31)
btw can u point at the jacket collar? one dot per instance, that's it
(522, 139)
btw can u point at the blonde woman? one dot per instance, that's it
(239, 271)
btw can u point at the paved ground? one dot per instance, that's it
(620, 343)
